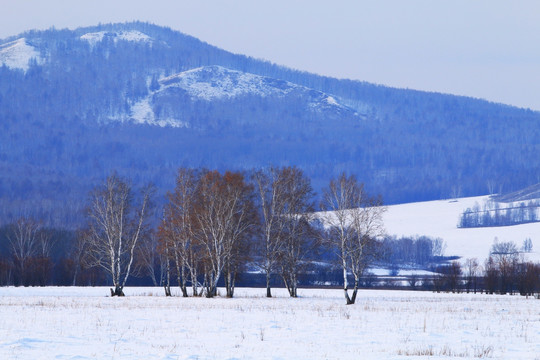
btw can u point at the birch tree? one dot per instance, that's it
(353, 220)
(115, 227)
(23, 237)
(271, 188)
(225, 219)
(177, 232)
(297, 240)
(148, 259)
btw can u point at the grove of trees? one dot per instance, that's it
(207, 228)
(217, 228)
(213, 227)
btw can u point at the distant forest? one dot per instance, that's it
(65, 124)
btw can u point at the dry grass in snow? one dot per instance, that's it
(82, 323)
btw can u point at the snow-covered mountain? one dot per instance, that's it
(142, 100)
(217, 83)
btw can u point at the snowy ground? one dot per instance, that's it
(440, 219)
(83, 323)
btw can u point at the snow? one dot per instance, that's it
(93, 38)
(331, 101)
(216, 82)
(211, 83)
(440, 219)
(17, 54)
(132, 35)
(84, 323)
(402, 272)
(142, 113)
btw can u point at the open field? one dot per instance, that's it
(83, 323)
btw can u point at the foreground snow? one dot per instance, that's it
(82, 323)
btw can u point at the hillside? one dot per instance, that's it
(440, 219)
(142, 100)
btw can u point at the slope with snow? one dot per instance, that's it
(211, 83)
(17, 54)
(131, 35)
(440, 219)
(217, 82)
(142, 113)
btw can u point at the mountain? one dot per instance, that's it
(143, 100)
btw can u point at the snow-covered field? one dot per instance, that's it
(440, 219)
(83, 323)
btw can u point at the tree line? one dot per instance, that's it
(411, 252)
(505, 271)
(492, 214)
(213, 227)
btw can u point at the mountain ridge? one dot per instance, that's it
(91, 107)
(115, 28)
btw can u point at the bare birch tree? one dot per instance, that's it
(297, 240)
(149, 261)
(23, 237)
(271, 190)
(353, 220)
(472, 269)
(79, 254)
(177, 230)
(115, 227)
(225, 217)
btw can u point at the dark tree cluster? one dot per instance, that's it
(32, 254)
(504, 272)
(411, 252)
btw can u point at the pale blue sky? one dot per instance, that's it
(483, 48)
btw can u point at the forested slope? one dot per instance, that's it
(86, 102)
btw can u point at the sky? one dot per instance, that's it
(487, 49)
